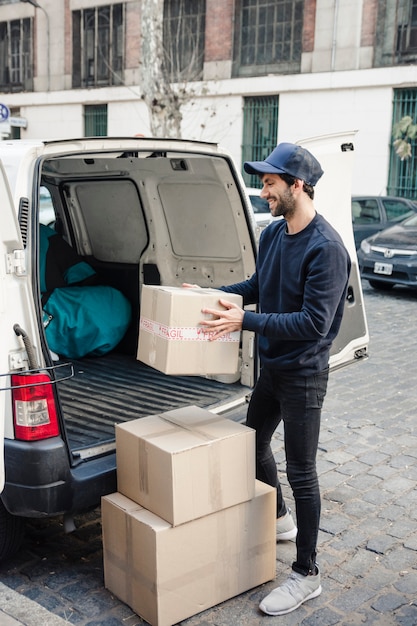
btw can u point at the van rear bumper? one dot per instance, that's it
(41, 483)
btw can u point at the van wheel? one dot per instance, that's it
(380, 286)
(12, 532)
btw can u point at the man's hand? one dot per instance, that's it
(227, 321)
(190, 286)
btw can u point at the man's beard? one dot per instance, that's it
(285, 205)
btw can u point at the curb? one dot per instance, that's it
(17, 610)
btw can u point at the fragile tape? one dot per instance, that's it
(183, 333)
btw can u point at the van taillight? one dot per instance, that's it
(34, 409)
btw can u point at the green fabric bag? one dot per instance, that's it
(80, 317)
(86, 320)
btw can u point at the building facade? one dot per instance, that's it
(256, 72)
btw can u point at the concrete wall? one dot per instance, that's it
(308, 106)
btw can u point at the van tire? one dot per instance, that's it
(12, 532)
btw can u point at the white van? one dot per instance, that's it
(138, 211)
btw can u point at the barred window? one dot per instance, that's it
(260, 131)
(184, 39)
(98, 46)
(268, 37)
(402, 178)
(95, 120)
(407, 29)
(16, 55)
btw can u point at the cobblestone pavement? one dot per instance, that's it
(368, 538)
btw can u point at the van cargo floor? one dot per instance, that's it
(118, 388)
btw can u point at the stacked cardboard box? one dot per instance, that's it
(189, 526)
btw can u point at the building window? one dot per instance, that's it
(15, 131)
(268, 37)
(16, 55)
(184, 37)
(402, 178)
(95, 120)
(260, 131)
(98, 46)
(407, 30)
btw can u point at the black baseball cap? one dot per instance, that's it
(288, 158)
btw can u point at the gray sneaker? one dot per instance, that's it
(286, 529)
(291, 594)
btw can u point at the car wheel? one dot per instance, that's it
(12, 532)
(377, 284)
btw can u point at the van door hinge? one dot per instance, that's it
(16, 262)
(18, 360)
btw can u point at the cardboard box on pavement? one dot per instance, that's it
(171, 338)
(185, 463)
(166, 574)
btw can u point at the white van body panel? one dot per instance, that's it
(14, 306)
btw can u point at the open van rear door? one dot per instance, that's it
(333, 200)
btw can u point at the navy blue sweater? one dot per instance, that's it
(300, 285)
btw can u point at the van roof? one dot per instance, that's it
(18, 154)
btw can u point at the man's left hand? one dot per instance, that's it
(228, 321)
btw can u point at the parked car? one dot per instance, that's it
(260, 206)
(390, 257)
(370, 214)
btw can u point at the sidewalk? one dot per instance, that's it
(17, 610)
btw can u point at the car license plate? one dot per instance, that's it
(383, 268)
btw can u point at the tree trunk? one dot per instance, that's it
(162, 101)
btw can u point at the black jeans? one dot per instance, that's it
(297, 401)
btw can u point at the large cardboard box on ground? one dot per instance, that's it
(166, 574)
(171, 338)
(185, 463)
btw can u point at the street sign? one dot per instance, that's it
(4, 112)
(19, 122)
